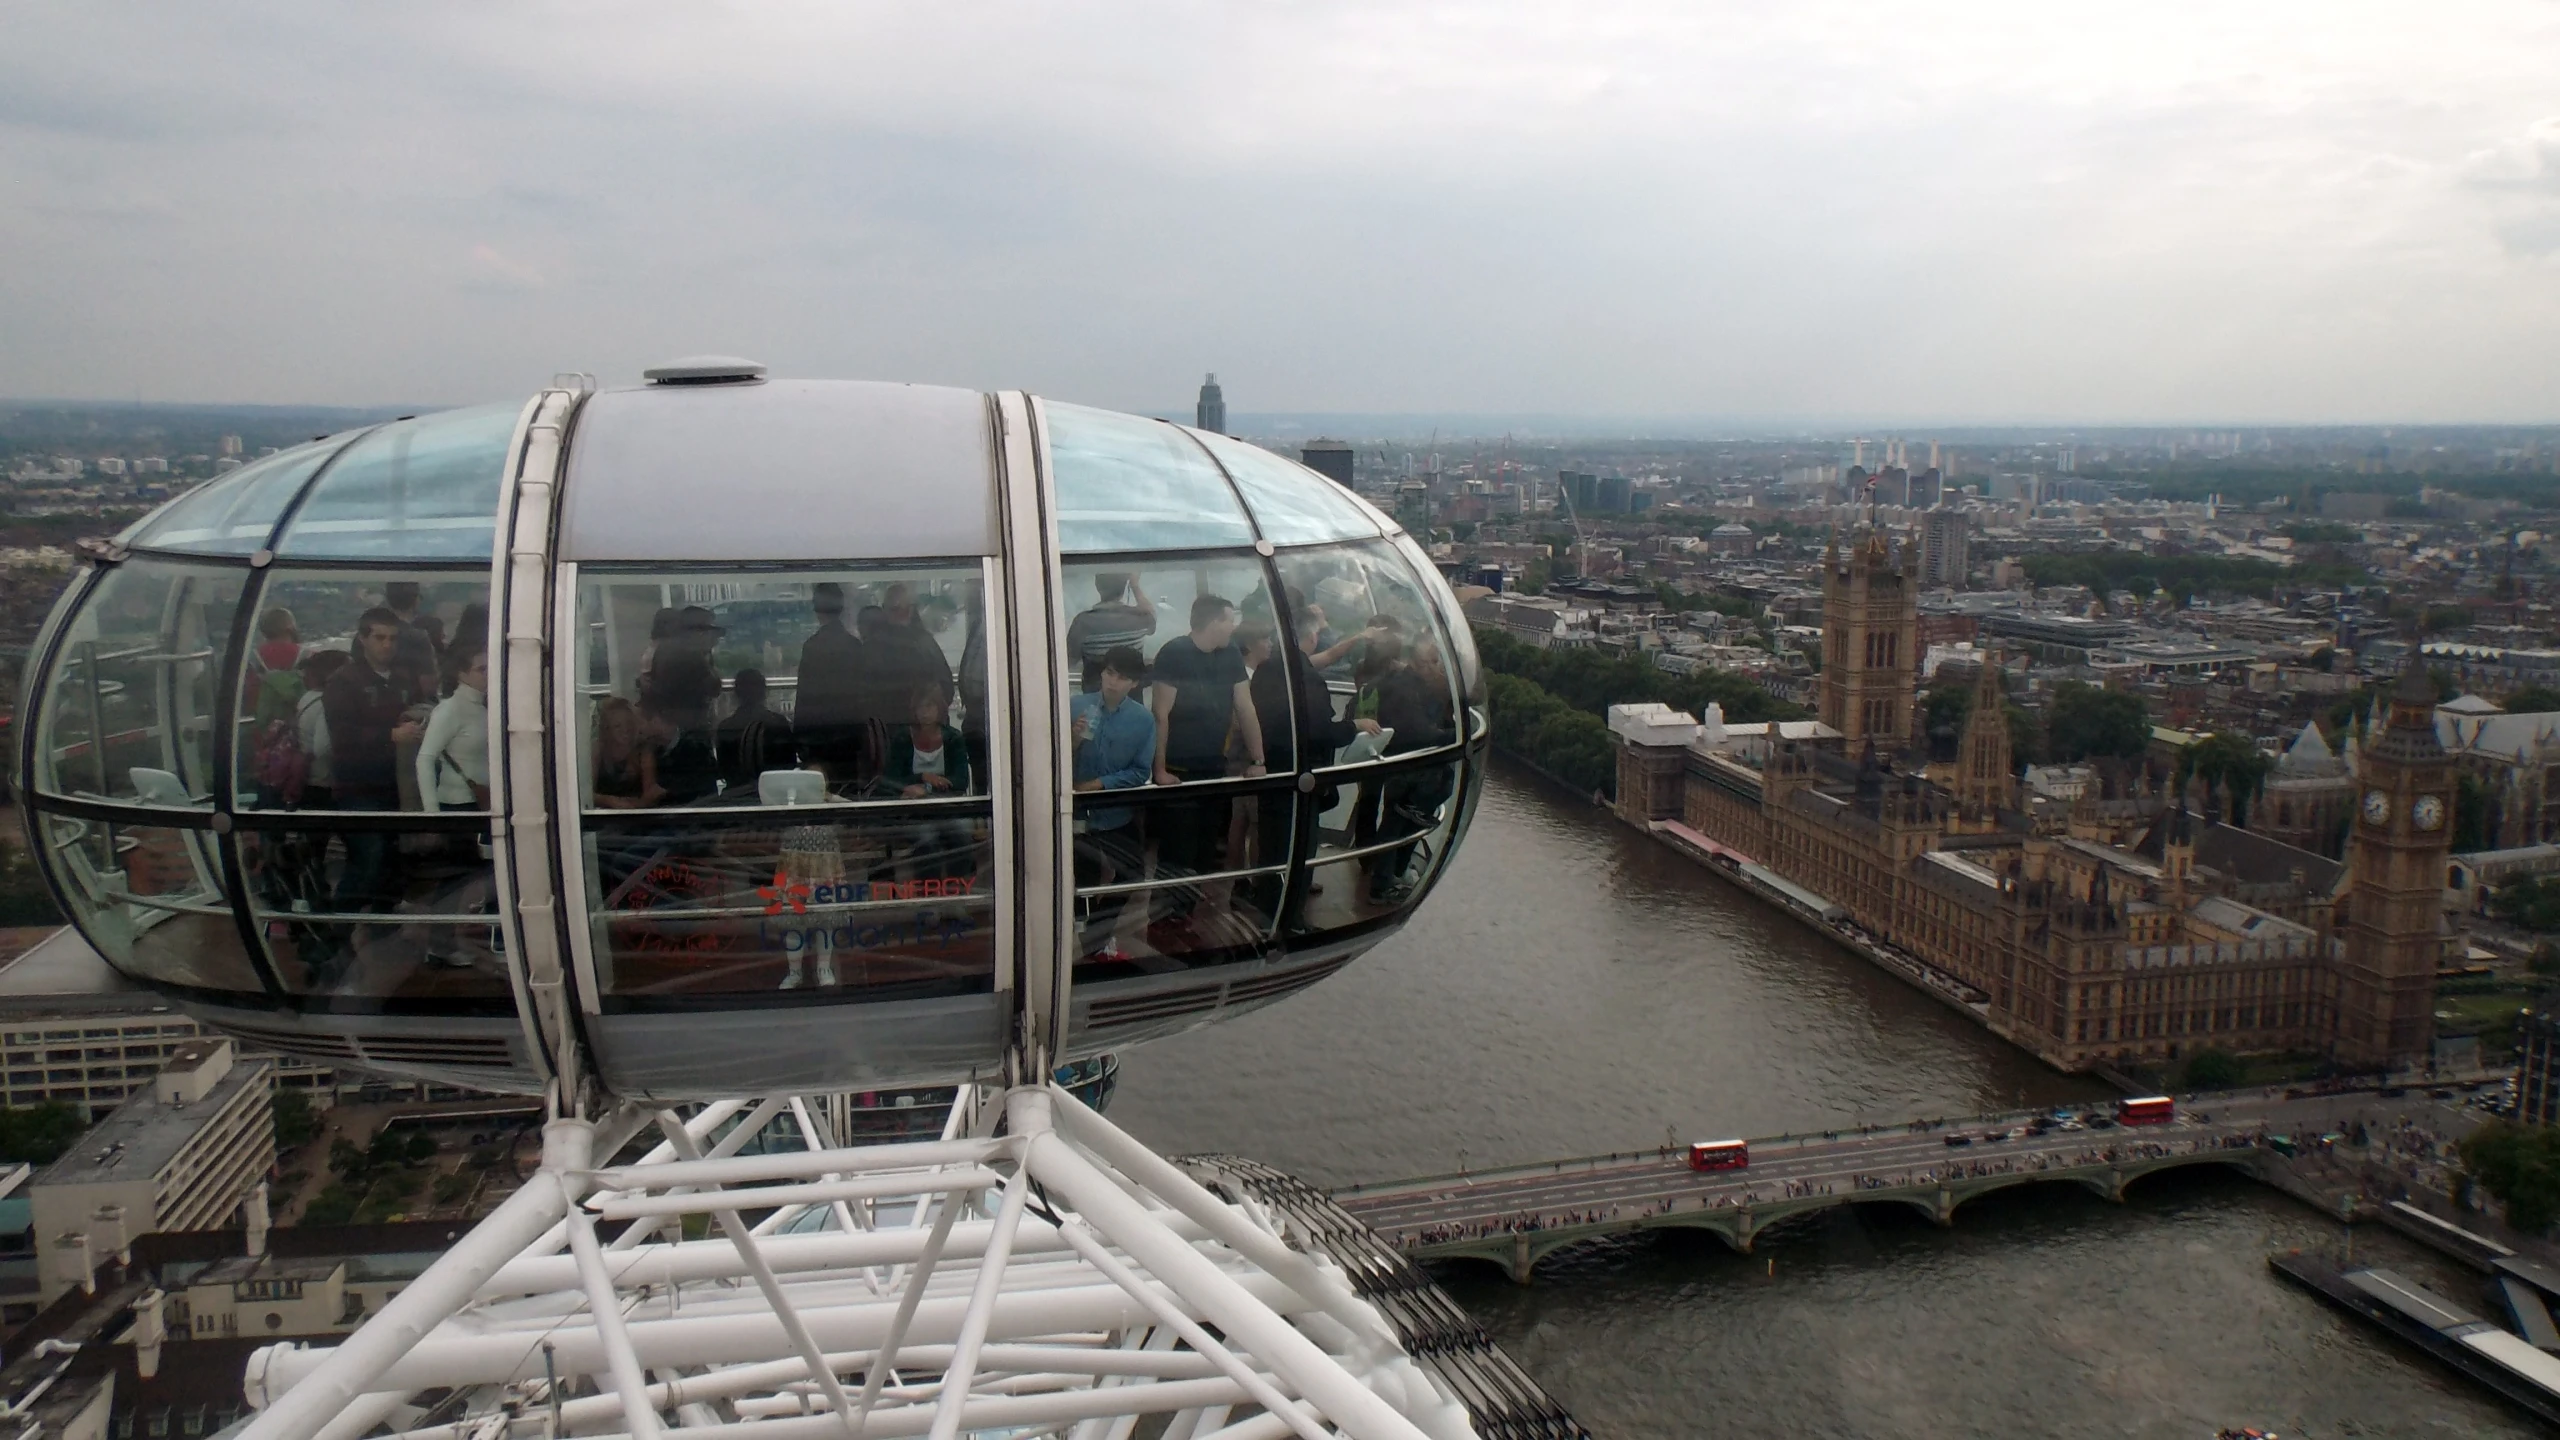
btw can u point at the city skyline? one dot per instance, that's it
(2288, 215)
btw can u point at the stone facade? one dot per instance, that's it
(2187, 934)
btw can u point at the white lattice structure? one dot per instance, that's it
(1034, 1272)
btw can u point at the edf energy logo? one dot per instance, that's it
(784, 891)
(927, 926)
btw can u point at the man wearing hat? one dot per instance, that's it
(827, 712)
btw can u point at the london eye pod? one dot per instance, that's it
(728, 735)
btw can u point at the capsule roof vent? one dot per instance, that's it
(705, 370)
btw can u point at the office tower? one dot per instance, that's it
(1213, 406)
(1329, 458)
(1943, 561)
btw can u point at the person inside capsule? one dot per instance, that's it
(825, 827)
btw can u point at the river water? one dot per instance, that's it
(1573, 988)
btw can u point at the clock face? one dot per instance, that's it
(2428, 813)
(2377, 806)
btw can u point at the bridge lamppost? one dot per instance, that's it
(1462, 1159)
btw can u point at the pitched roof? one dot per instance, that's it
(2308, 755)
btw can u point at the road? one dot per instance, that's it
(1597, 1190)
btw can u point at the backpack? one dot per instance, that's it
(279, 763)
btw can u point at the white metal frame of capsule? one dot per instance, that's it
(1027, 492)
(1046, 1275)
(1034, 1272)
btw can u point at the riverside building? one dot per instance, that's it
(2087, 953)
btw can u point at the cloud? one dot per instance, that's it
(2530, 161)
(493, 270)
(1628, 206)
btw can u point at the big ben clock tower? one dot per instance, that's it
(2394, 912)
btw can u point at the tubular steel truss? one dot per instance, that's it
(1034, 1272)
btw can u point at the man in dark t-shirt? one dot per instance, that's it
(826, 710)
(1201, 695)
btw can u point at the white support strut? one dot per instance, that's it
(1052, 1277)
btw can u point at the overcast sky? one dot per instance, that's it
(1782, 212)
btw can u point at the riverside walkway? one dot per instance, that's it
(1516, 1216)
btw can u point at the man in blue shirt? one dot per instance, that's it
(1115, 742)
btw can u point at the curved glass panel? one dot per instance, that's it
(1462, 640)
(1165, 880)
(149, 897)
(1291, 504)
(695, 687)
(237, 513)
(1379, 839)
(424, 489)
(1124, 483)
(377, 914)
(1369, 629)
(830, 899)
(130, 706)
(366, 691)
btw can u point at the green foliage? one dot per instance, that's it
(297, 1124)
(422, 1147)
(2470, 813)
(2519, 1164)
(2082, 721)
(1546, 732)
(2184, 575)
(1534, 578)
(24, 900)
(453, 1186)
(2315, 532)
(334, 1205)
(2529, 904)
(2231, 762)
(2211, 1069)
(1683, 602)
(2532, 700)
(1591, 681)
(39, 1134)
(2440, 618)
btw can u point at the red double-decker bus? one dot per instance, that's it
(2148, 1110)
(1720, 1155)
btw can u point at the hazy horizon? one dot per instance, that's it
(1810, 216)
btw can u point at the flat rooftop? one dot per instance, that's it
(61, 975)
(141, 1138)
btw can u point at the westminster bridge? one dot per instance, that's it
(1518, 1215)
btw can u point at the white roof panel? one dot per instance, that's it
(780, 470)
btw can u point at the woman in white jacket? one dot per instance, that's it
(453, 774)
(453, 756)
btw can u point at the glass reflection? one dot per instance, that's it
(367, 693)
(1378, 842)
(1376, 643)
(1163, 881)
(236, 514)
(1291, 504)
(424, 489)
(694, 687)
(1126, 483)
(131, 710)
(150, 898)
(1453, 620)
(824, 899)
(376, 913)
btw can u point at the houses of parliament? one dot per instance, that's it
(2139, 934)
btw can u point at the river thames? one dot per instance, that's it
(1574, 988)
